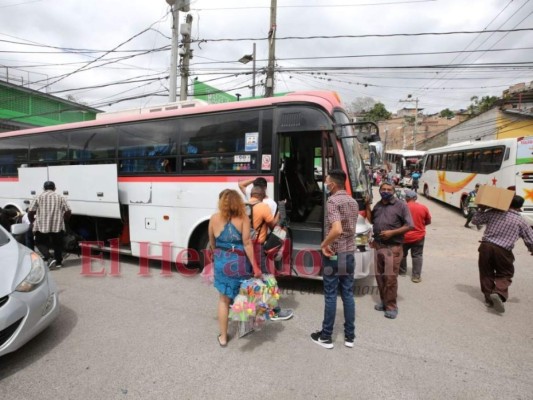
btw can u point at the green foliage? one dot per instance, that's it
(480, 106)
(447, 113)
(378, 113)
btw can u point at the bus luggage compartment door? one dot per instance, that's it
(90, 190)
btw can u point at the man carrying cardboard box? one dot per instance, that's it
(496, 269)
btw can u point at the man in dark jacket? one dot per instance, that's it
(391, 220)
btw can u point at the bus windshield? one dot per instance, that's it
(353, 151)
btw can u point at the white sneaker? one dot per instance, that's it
(52, 264)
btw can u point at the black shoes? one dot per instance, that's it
(327, 343)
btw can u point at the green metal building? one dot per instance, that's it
(22, 108)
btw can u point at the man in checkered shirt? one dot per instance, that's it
(496, 258)
(48, 211)
(338, 249)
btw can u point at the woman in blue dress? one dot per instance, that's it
(229, 239)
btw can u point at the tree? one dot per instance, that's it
(361, 105)
(378, 113)
(480, 106)
(447, 113)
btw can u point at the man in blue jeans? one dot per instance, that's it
(339, 263)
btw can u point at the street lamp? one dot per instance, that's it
(245, 60)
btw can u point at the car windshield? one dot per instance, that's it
(4, 238)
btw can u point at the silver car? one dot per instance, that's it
(28, 293)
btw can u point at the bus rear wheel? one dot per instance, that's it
(201, 245)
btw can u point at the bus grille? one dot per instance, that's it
(3, 300)
(6, 333)
(527, 176)
(291, 119)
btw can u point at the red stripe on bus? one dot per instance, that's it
(201, 179)
(171, 178)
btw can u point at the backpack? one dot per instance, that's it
(275, 239)
(254, 232)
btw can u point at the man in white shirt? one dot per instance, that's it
(246, 188)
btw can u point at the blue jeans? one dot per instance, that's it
(338, 274)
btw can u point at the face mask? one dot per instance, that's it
(328, 189)
(386, 195)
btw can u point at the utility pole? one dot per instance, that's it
(176, 6)
(253, 72)
(415, 128)
(173, 77)
(186, 55)
(269, 86)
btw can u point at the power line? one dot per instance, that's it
(388, 3)
(492, 32)
(373, 35)
(98, 58)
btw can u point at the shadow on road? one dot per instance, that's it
(40, 345)
(473, 291)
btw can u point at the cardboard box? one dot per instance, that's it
(494, 197)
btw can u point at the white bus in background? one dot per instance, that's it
(146, 184)
(403, 162)
(451, 172)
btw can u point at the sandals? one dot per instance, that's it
(220, 343)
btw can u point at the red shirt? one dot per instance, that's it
(421, 217)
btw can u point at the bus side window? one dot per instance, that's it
(460, 161)
(468, 160)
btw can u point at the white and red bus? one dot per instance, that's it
(451, 172)
(152, 179)
(402, 163)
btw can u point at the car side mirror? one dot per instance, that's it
(19, 229)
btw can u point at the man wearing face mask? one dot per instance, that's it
(391, 219)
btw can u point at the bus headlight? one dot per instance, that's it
(35, 277)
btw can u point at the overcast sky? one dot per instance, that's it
(42, 42)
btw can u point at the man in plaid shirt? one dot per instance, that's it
(338, 250)
(48, 211)
(496, 258)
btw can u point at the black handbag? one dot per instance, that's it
(275, 240)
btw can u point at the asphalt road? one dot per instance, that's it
(132, 337)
